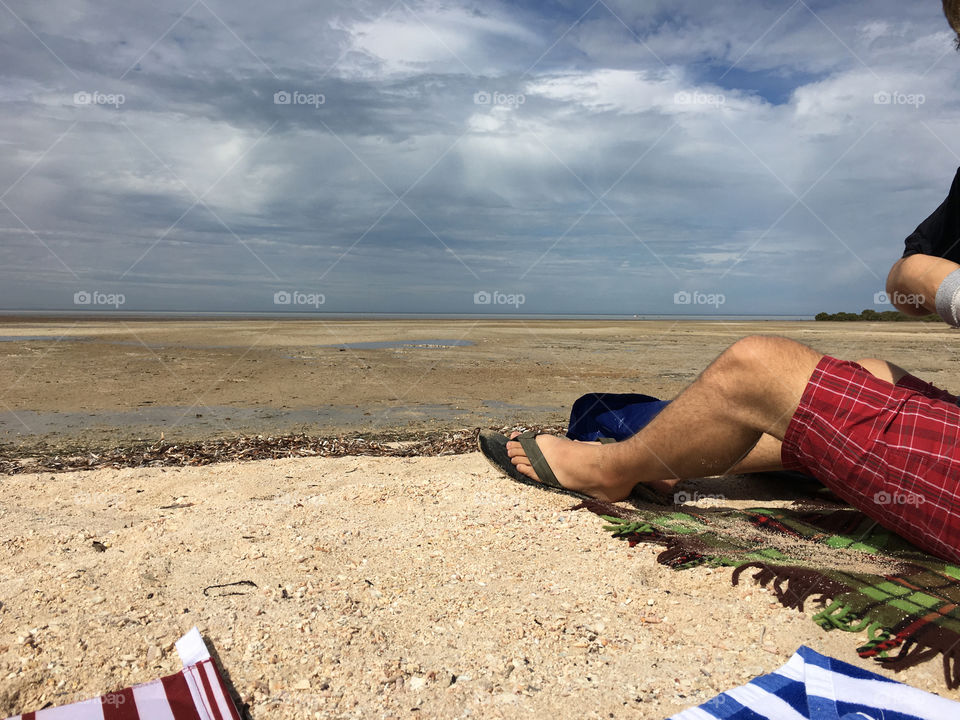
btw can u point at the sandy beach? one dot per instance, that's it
(427, 587)
(279, 282)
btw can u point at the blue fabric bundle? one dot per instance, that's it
(812, 686)
(611, 415)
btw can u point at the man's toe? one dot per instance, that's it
(528, 471)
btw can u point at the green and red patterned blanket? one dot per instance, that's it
(859, 576)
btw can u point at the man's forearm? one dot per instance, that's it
(913, 282)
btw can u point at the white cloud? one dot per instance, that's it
(873, 30)
(632, 92)
(696, 166)
(433, 37)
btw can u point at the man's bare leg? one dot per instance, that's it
(765, 456)
(752, 389)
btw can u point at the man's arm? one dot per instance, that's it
(931, 253)
(914, 280)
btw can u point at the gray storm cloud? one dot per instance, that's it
(401, 158)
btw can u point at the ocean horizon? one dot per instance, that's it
(227, 315)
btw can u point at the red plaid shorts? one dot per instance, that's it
(892, 451)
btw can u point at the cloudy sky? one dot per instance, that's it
(661, 156)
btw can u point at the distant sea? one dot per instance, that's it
(132, 315)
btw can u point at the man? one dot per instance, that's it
(951, 8)
(883, 440)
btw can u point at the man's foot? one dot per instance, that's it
(578, 466)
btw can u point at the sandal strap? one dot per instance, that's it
(528, 441)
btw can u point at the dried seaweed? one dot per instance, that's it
(251, 447)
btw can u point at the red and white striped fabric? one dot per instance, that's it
(196, 693)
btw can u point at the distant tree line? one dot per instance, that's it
(873, 316)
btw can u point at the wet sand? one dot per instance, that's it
(98, 384)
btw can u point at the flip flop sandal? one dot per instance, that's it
(493, 445)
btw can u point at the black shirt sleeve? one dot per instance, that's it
(939, 234)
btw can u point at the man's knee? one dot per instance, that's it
(760, 352)
(882, 369)
(764, 372)
(759, 360)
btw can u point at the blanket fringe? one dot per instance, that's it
(599, 507)
(951, 667)
(677, 556)
(918, 649)
(916, 639)
(842, 521)
(793, 586)
(837, 616)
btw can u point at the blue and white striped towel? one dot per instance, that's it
(812, 686)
